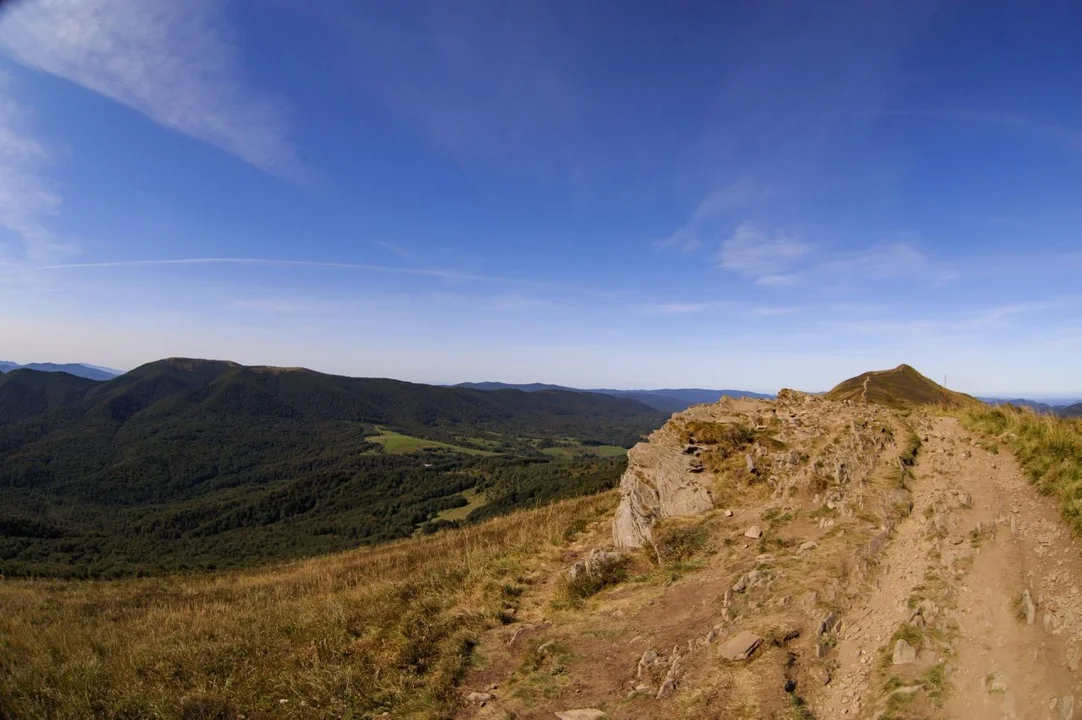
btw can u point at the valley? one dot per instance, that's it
(189, 465)
(804, 557)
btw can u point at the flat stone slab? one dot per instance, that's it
(582, 714)
(740, 646)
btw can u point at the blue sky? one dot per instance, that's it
(753, 195)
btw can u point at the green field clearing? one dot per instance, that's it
(573, 450)
(397, 444)
(474, 500)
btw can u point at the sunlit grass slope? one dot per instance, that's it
(1048, 448)
(387, 629)
(901, 387)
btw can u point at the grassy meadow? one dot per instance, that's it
(355, 634)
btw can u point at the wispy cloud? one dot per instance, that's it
(170, 61)
(26, 199)
(677, 308)
(445, 274)
(705, 222)
(899, 257)
(766, 259)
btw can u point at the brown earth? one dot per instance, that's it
(841, 573)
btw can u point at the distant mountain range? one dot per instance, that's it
(666, 400)
(91, 372)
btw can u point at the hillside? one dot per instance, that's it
(791, 559)
(196, 464)
(1071, 411)
(899, 388)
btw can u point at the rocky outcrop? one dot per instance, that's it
(663, 478)
(778, 444)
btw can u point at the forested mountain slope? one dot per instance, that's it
(196, 463)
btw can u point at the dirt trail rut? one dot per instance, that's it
(983, 581)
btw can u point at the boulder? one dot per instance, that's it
(904, 653)
(597, 562)
(754, 532)
(480, 697)
(741, 646)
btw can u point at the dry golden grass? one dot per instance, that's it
(348, 635)
(1048, 448)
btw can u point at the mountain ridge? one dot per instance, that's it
(899, 387)
(663, 399)
(91, 372)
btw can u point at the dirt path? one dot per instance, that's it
(951, 584)
(969, 607)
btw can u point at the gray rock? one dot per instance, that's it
(902, 499)
(648, 664)
(527, 630)
(1028, 607)
(830, 623)
(1066, 708)
(597, 562)
(747, 580)
(728, 513)
(750, 462)
(810, 545)
(904, 653)
(822, 650)
(581, 714)
(754, 532)
(480, 697)
(661, 480)
(741, 646)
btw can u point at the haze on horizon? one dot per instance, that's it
(635, 195)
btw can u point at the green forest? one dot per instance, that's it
(187, 465)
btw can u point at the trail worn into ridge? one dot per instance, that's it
(954, 577)
(969, 606)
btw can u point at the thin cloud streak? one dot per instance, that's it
(450, 275)
(446, 274)
(170, 61)
(26, 199)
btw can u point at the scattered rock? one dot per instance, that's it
(1066, 708)
(747, 580)
(581, 714)
(598, 562)
(821, 650)
(728, 513)
(648, 664)
(1028, 607)
(740, 646)
(903, 653)
(480, 697)
(754, 532)
(830, 623)
(810, 545)
(527, 630)
(821, 674)
(545, 648)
